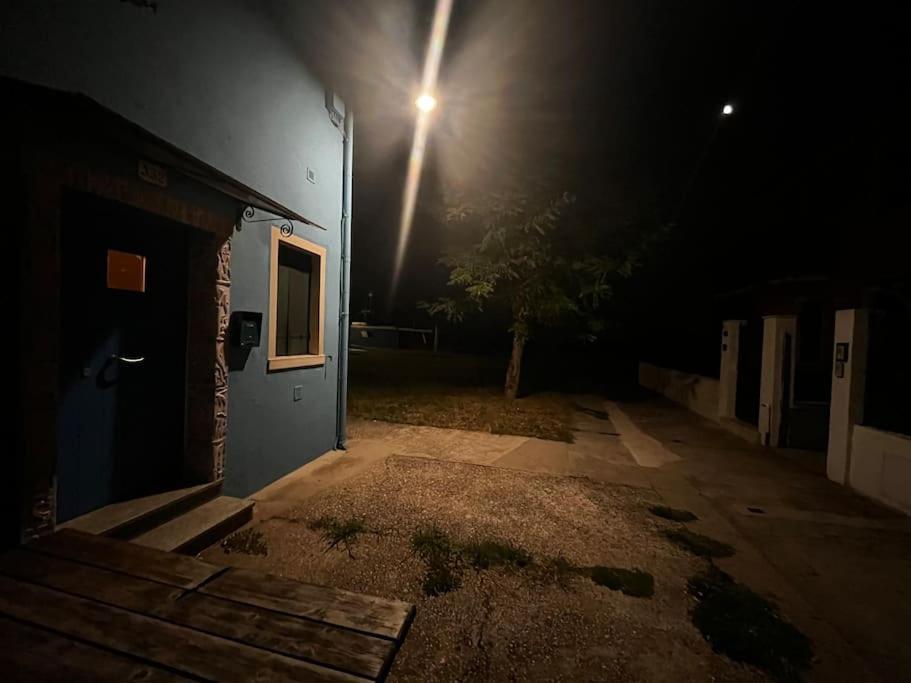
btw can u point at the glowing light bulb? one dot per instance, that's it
(728, 109)
(426, 102)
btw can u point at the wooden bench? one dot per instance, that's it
(74, 607)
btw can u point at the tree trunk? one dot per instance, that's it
(515, 364)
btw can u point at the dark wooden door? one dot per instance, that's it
(123, 354)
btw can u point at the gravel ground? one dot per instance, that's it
(500, 624)
(479, 448)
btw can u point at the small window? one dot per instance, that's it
(126, 271)
(296, 302)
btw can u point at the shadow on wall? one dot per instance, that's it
(236, 357)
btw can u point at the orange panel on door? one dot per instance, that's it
(126, 271)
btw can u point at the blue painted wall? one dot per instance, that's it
(216, 78)
(270, 434)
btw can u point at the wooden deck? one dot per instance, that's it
(78, 607)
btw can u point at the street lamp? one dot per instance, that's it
(727, 109)
(426, 102)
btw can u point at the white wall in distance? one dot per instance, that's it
(847, 404)
(771, 386)
(881, 466)
(695, 392)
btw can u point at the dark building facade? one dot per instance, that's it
(160, 168)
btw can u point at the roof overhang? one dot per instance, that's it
(81, 113)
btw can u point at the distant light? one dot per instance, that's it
(426, 102)
(728, 109)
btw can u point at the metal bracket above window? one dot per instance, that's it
(286, 227)
(285, 223)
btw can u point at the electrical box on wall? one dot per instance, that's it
(244, 329)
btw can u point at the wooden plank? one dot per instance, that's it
(356, 653)
(107, 553)
(120, 590)
(378, 616)
(29, 653)
(153, 640)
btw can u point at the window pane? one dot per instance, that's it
(293, 304)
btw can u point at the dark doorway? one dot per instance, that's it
(122, 355)
(749, 371)
(815, 341)
(809, 426)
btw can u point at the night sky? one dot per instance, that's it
(619, 103)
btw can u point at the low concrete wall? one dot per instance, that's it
(881, 466)
(698, 393)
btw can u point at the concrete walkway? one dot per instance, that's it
(837, 564)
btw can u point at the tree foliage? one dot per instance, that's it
(532, 256)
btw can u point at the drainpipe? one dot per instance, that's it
(345, 284)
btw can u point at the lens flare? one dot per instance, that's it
(425, 104)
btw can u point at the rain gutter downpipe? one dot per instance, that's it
(345, 284)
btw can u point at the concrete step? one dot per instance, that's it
(200, 527)
(134, 517)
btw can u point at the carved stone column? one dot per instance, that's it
(223, 302)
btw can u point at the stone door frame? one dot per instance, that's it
(47, 176)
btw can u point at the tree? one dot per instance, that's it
(515, 257)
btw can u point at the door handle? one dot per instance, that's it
(125, 359)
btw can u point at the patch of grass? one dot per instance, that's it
(445, 561)
(440, 556)
(430, 542)
(634, 582)
(481, 409)
(450, 390)
(703, 546)
(747, 628)
(247, 541)
(339, 533)
(487, 554)
(672, 514)
(557, 570)
(441, 578)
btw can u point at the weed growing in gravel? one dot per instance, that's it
(247, 541)
(700, 545)
(747, 628)
(430, 542)
(557, 570)
(441, 578)
(487, 554)
(672, 514)
(445, 561)
(339, 532)
(634, 582)
(444, 570)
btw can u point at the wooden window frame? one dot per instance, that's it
(317, 355)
